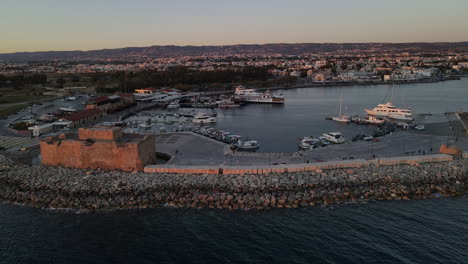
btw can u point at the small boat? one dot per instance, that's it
(173, 105)
(419, 127)
(309, 142)
(246, 145)
(202, 118)
(334, 137)
(226, 104)
(232, 139)
(145, 126)
(374, 120)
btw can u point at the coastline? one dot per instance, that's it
(346, 83)
(78, 190)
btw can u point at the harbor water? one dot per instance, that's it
(278, 128)
(305, 110)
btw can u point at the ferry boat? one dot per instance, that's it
(334, 137)
(390, 111)
(242, 94)
(202, 118)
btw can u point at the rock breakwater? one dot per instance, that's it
(53, 187)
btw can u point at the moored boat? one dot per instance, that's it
(390, 111)
(334, 137)
(203, 118)
(250, 145)
(253, 96)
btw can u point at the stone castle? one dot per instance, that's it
(99, 148)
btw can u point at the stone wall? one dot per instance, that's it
(412, 160)
(103, 133)
(60, 187)
(106, 150)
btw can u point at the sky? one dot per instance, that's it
(42, 25)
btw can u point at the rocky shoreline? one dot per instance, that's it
(51, 187)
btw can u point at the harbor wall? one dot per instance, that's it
(50, 187)
(285, 168)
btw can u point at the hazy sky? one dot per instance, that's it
(35, 25)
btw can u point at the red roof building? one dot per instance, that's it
(84, 117)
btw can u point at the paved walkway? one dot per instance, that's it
(191, 149)
(17, 142)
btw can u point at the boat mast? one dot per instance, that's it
(341, 101)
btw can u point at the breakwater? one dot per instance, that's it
(54, 187)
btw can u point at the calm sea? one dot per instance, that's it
(424, 231)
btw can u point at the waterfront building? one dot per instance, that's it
(84, 117)
(99, 148)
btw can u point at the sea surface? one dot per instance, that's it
(422, 231)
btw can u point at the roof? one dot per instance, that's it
(100, 99)
(83, 114)
(124, 95)
(146, 89)
(112, 97)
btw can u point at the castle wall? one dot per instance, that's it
(104, 154)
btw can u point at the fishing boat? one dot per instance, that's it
(334, 137)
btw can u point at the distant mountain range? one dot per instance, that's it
(261, 49)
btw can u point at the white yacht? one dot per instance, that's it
(203, 118)
(390, 111)
(334, 137)
(242, 94)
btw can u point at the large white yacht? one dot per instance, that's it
(389, 110)
(242, 94)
